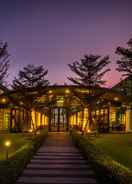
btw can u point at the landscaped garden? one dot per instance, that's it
(118, 146)
(21, 148)
(16, 141)
(109, 154)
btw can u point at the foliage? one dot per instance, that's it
(107, 170)
(118, 146)
(89, 70)
(12, 168)
(125, 63)
(29, 85)
(4, 62)
(31, 77)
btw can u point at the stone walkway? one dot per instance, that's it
(57, 162)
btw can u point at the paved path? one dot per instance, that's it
(57, 162)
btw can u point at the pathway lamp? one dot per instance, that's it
(7, 145)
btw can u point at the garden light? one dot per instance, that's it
(7, 145)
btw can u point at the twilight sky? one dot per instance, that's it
(57, 32)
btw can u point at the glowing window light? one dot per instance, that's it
(3, 100)
(116, 98)
(88, 130)
(67, 91)
(30, 130)
(50, 92)
(7, 143)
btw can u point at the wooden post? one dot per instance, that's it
(58, 127)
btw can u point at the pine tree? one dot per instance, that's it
(4, 62)
(125, 63)
(89, 72)
(29, 85)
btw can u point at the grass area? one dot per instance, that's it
(118, 146)
(21, 151)
(107, 169)
(17, 141)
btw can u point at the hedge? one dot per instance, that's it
(107, 170)
(13, 167)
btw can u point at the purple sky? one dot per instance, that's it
(57, 32)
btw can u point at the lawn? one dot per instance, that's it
(118, 146)
(17, 141)
(23, 147)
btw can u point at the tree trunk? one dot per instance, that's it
(90, 116)
(89, 123)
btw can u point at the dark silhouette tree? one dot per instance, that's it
(125, 63)
(4, 62)
(30, 84)
(89, 72)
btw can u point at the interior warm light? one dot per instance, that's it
(3, 100)
(50, 91)
(88, 130)
(116, 98)
(38, 132)
(7, 143)
(67, 91)
(21, 103)
(30, 130)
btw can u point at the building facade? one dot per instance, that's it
(124, 87)
(64, 107)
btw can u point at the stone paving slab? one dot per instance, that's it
(58, 157)
(56, 180)
(60, 161)
(62, 172)
(58, 166)
(59, 153)
(59, 149)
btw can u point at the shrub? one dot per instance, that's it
(12, 168)
(108, 170)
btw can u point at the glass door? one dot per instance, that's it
(58, 120)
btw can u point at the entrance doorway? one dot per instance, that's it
(58, 119)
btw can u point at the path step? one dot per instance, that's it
(62, 161)
(57, 162)
(56, 180)
(58, 166)
(63, 172)
(58, 157)
(59, 154)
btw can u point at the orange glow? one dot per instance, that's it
(3, 100)
(116, 98)
(67, 91)
(30, 130)
(88, 130)
(7, 143)
(50, 91)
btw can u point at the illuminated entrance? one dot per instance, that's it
(58, 119)
(64, 107)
